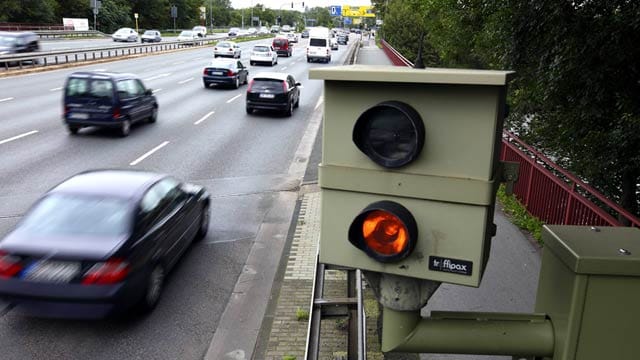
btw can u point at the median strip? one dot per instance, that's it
(18, 137)
(149, 153)
(203, 118)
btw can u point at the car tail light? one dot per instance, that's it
(65, 111)
(285, 88)
(204, 71)
(230, 73)
(116, 112)
(111, 271)
(9, 265)
(250, 85)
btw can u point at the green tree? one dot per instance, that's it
(321, 15)
(115, 14)
(578, 86)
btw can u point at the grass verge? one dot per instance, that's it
(519, 215)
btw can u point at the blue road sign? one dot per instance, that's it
(347, 21)
(335, 10)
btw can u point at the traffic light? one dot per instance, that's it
(410, 170)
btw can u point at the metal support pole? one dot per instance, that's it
(352, 339)
(467, 333)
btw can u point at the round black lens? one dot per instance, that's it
(390, 133)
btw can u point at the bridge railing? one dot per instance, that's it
(549, 192)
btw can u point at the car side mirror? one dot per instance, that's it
(148, 92)
(299, 85)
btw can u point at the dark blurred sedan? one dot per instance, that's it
(225, 72)
(101, 243)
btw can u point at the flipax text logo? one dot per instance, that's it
(455, 266)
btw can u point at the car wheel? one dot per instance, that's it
(215, 56)
(125, 128)
(73, 130)
(308, 60)
(249, 110)
(297, 102)
(154, 114)
(289, 110)
(251, 63)
(205, 218)
(153, 290)
(206, 85)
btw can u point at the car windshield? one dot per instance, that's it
(224, 45)
(123, 31)
(261, 48)
(185, 33)
(318, 42)
(273, 85)
(70, 214)
(150, 32)
(79, 87)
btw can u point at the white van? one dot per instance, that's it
(319, 45)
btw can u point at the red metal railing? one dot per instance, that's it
(549, 192)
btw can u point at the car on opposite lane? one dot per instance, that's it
(263, 53)
(125, 34)
(200, 31)
(101, 243)
(225, 72)
(187, 37)
(227, 48)
(151, 36)
(104, 99)
(273, 91)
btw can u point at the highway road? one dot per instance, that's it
(251, 164)
(107, 42)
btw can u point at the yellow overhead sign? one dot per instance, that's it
(358, 11)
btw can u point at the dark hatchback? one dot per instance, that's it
(225, 72)
(111, 100)
(12, 43)
(101, 243)
(273, 91)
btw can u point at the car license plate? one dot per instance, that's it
(267, 96)
(81, 116)
(52, 271)
(216, 73)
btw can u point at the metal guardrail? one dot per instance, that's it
(68, 33)
(43, 59)
(565, 199)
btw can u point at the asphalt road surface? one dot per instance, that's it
(252, 165)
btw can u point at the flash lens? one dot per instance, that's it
(384, 233)
(385, 230)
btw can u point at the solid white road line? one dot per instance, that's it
(233, 98)
(203, 118)
(18, 137)
(320, 100)
(138, 160)
(6, 99)
(56, 89)
(157, 76)
(156, 90)
(185, 81)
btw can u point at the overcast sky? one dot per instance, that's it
(297, 5)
